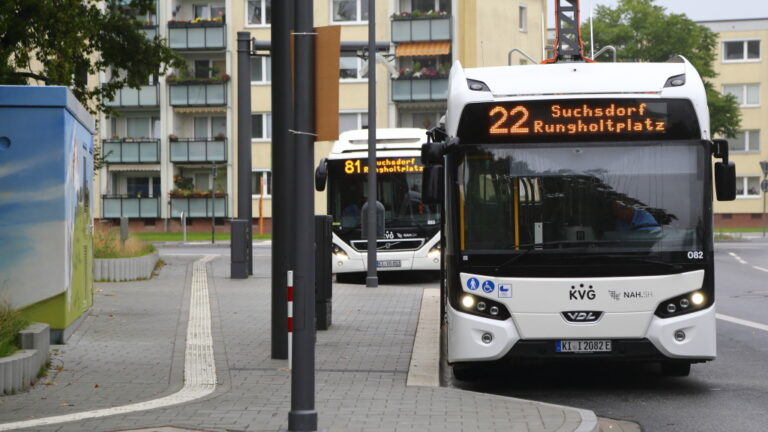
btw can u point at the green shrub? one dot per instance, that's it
(11, 322)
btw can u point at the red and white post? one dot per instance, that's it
(290, 318)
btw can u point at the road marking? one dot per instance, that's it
(199, 364)
(743, 322)
(737, 258)
(760, 268)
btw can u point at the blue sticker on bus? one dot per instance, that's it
(473, 284)
(488, 287)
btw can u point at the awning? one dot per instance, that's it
(199, 110)
(412, 49)
(153, 168)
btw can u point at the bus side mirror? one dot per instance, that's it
(433, 184)
(725, 181)
(321, 175)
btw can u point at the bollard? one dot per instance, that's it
(239, 249)
(323, 271)
(290, 318)
(123, 230)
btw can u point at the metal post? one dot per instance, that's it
(372, 281)
(282, 181)
(244, 139)
(303, 416)
(213, 204)
(764, 188)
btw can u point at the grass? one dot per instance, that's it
(107, 244)
(191, 236)
(739, 230)
(11, 323)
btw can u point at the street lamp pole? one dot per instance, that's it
(764, 188)
(213, 203)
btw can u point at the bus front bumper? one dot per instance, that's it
(468, 340)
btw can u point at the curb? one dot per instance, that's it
(124, 269)
(19, 370)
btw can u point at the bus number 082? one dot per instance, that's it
(519, 115)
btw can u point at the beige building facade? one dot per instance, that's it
(742, 67)
(173, 147)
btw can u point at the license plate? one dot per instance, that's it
(583, 346)
(389, 263)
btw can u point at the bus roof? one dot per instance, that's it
(386, 139)
(575, 81)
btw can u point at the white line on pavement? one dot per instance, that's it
(199, 365)
(760, 268)
(737, 258)
(743, 322)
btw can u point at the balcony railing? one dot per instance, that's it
(419, 89)
(150, 30)
(129, 150)
(198, 150)
(197, 36)
(186, 93)
(199, 207)
(116, 206)
(146, 96)
(421, 29)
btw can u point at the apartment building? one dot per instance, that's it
(172, 148)
(743, 72)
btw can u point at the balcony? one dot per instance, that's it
(407, 28)
(150, 30)
(116, 206)
(198, 93)
(129, 150)
(185, 150)
(199, 206)
(409, 89)
(204, 35)
(145, 96)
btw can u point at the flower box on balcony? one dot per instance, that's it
(214, 22)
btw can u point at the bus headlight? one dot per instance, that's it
(483, 307)
(682, 304)
(339, 252)
(434, 253)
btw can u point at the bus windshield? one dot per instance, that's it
(398, 189)
(584, 198)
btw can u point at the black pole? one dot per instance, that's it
(213, 203)
(303, 416)
(244, 140)
(372, 281)
(282, 181)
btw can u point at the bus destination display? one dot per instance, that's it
(403, 165)
(573, 119)
(579, 120)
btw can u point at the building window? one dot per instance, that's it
(741, 50)
(208, 11)
(352, 121)
(261, 183)
(523, 18)
(349, 11)
(748, 186)
(259, 12)
(208, 127)
(745, 141)
(747, 95)
(424, 5)
(261, 70)
(261, 126)
(349, 67)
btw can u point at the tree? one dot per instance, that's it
(61, 42)
(643, 31)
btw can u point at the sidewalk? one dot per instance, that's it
(132, 349)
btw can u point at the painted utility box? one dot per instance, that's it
(46, 173)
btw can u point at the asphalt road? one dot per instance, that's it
(728, 394)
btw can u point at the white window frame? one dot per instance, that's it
(359, 21)
(266, 118)
(749, 146)
(264, 10)
(264, 193)
(745, 183)
(359, 75)
(522, 19)
(359, 114)
(744, 103)
(264, 68)
(745, 59)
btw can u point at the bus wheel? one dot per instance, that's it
(465, 372)
(675, 369)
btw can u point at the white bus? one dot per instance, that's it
(411, 239)
(578, 213)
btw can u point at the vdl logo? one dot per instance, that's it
(582, 316)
